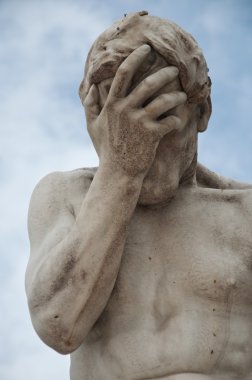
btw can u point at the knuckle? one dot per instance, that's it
(175, 98)
(174, 121)
(134, 117)
(163, 98)
(86, 102)
(109, 102)
(115, 106)
(148, 82)
(137, 116)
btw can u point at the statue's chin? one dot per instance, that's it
(157, 193)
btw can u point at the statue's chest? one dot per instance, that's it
(187, 253)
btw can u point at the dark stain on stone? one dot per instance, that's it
(69, 264)
(212, 352)
(72, 210)
(143, 13)
(149, 258)
(83, 274)
(61, 281)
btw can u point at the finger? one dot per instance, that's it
(168, 125)
(103, 88)
(164, 103)
(91, 104)
(150, 85)
(126, 71)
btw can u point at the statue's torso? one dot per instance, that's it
(181, 308)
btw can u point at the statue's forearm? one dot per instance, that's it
(74, 281)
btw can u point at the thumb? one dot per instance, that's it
(169, 124)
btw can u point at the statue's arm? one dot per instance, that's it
(74, 262)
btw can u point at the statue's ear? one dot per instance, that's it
(205, 110)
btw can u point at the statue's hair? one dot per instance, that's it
(175, 46)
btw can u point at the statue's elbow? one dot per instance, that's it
(55, 333)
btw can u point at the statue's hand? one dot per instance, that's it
(126, 132)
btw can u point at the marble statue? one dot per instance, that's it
(142, 268)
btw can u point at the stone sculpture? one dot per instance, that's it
(142, 268)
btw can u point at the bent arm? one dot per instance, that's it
(74, 263)
(71, 274)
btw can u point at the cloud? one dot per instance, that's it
(42, 130)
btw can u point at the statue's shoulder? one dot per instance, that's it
(208, 179)
(58, 187)
(239, 191)
(76, 178)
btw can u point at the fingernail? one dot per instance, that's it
(146, 47)
(175, 69)
(171, 70)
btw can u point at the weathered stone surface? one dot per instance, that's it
(141, 268)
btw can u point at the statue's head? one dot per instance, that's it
(171, 46)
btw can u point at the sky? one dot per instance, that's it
(43, 46)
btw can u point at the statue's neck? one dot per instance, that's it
(188, 178)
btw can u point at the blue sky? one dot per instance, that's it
(42, 52)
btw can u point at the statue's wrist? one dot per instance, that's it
(118, 175)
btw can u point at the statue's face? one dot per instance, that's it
(174, 156)
(175, 152)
